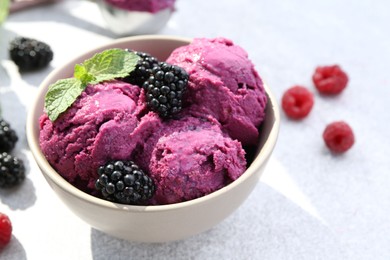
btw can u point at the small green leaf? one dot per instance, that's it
(110, 64)
(107, 65)
(4, 6)
(80, 72)
(61, 95)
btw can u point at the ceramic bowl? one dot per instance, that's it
(151, 223)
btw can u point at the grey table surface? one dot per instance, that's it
(309, 203)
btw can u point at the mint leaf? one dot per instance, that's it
(61, 95)
(80, 72)
(107, 65)
(4, 6)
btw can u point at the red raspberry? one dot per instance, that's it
(5, 230)
(330, 80)
(338, 137)
(297, 102)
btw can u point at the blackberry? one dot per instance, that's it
(12, 171)
(164, 89)
(8, 137)
(30, 54)
(124, 182)
(142, 70)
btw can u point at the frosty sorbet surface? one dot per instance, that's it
(223, 84)
(198, 151)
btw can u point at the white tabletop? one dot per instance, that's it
(309, 203)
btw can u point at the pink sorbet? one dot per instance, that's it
(223, 84)
(193, 154)
(93, 130)
(151, 6)
(187, 158)
(190, 164)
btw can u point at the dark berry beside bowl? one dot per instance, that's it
(30, 54)
(12, 171)
(8, 137)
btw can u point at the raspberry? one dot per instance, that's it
(12, 171)
(143, 69)
(30, 54)
(330, 80)
(8, 137)
(297, 102)
(338, 137)
(164, 89)
(123, 182)
(5, 230)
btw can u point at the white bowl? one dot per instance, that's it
(151, 223)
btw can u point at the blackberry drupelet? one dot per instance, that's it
(124, 182)
(12, 171)
(143, 70)
(8, 137)
(164, 89)
(30, 54)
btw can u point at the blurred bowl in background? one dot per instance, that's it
(124, 22)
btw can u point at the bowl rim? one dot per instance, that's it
(48, 171)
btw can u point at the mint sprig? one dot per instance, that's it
(61, 95)
(107, 65)
(4, 6)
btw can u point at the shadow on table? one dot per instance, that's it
(35, 78)
(266, 228)
(19, 198)
(5, 37)
(22, 196)
(5, 80)
(14, 250)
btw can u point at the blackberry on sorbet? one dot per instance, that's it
(124, 182)
(165, 88)
(30, 54)
(143, 69)
(12, 171)
(8, 137)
